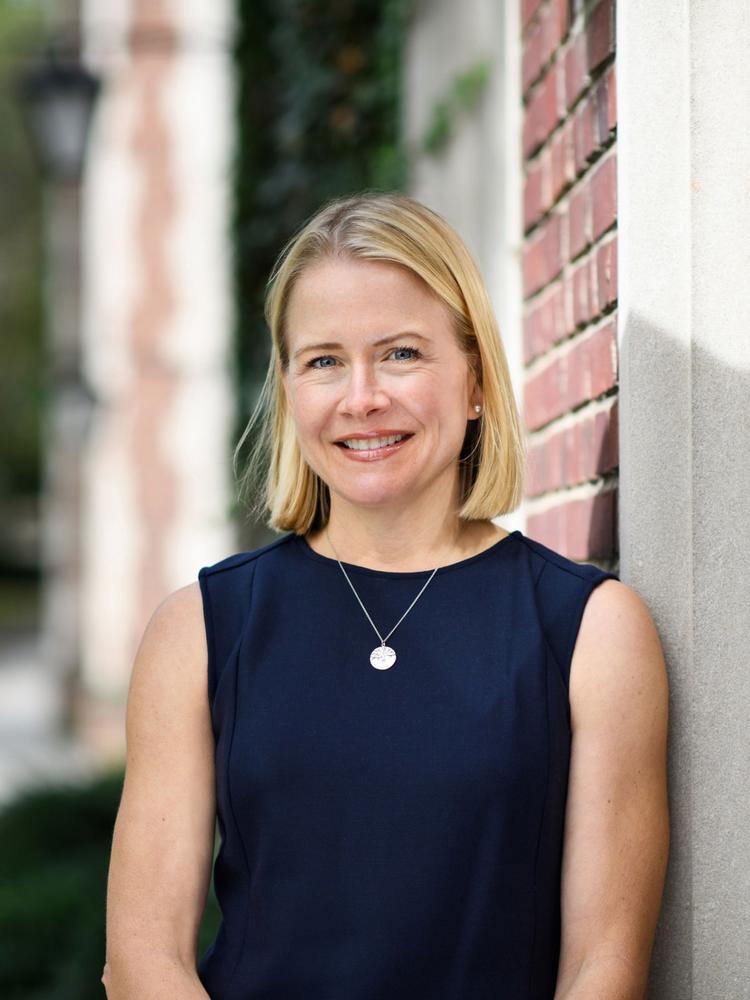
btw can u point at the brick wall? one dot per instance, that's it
(570, 274)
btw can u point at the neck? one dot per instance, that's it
(407, 541)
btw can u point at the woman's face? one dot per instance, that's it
(371, 348)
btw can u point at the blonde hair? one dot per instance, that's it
(395, 228)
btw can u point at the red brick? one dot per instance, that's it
(568, 303)
(528, 9)
(568, 138)
(535, 473)
(575, 70)
(590, 447)
(580, 374)
(582, 308)
(579, 219)
(583, 131)
(554, 27)
(544, 324)
(542, 113)
(544, 395)
(600, 33)
(606, 274)
(533, 204)
(598, 355)
(554, 328)
(609, 453)
(604, 196)
(544, 466)
(604, 99)
(561, 16)
(558, 165)
(542, 258)
(554, 160)
(581, 529)
(532, 59)
(593, 288)
(611, 98)
(584, 451)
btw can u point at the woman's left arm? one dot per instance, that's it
(617, 819)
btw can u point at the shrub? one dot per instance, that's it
(55, 843)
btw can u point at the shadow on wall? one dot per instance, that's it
(680, 414)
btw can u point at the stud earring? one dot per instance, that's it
(477, 407)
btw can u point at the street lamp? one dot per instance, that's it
(59, 97)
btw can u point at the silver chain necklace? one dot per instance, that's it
(382, 657)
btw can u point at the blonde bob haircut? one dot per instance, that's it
(395, 228)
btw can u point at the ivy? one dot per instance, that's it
(461, 97)
(318, 117)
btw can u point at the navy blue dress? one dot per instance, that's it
(390, 834)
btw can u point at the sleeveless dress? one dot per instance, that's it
(390, 834)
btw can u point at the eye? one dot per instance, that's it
(312, 362)
(413, 353)
(416, 353)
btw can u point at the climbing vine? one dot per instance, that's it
(318, 117)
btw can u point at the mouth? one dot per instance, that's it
(362, 450)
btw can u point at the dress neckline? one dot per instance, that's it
(310, 552)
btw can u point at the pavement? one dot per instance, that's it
(32, 749)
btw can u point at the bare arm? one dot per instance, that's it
(617, 822)
(162, 847)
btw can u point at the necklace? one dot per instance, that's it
(382, 657)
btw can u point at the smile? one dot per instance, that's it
(367, 453)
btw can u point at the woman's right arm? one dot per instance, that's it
(162, 846)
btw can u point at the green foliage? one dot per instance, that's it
(462, 96)
(21, 385)
(55, 844)
(318, 117)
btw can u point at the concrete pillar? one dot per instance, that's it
(683, 80)
(158, 327)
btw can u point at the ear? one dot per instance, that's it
(475, 394)
(476, 398)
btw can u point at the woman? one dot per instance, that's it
(436, 749)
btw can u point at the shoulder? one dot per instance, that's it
(239, 561)
(174, 635)
(178, 623)
(618, 666)
(553, 567)
(617, 621)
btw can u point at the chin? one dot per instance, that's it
(375, 496)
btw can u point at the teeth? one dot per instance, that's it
(361, 444)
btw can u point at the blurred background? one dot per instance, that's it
(155, 156)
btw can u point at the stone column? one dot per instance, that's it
(158, 327)
(684, 239)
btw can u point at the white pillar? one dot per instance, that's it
(158, 326)
(683, 81)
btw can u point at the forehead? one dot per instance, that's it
(360, 295)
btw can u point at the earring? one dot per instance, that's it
(478, 408)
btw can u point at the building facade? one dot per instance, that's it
(600, 177)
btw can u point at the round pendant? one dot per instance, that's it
(382, 657)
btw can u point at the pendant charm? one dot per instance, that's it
(382, 657)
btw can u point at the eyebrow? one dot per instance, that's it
(332, 345)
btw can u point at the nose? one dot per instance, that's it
(363, 393)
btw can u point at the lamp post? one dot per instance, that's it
(58, 95)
